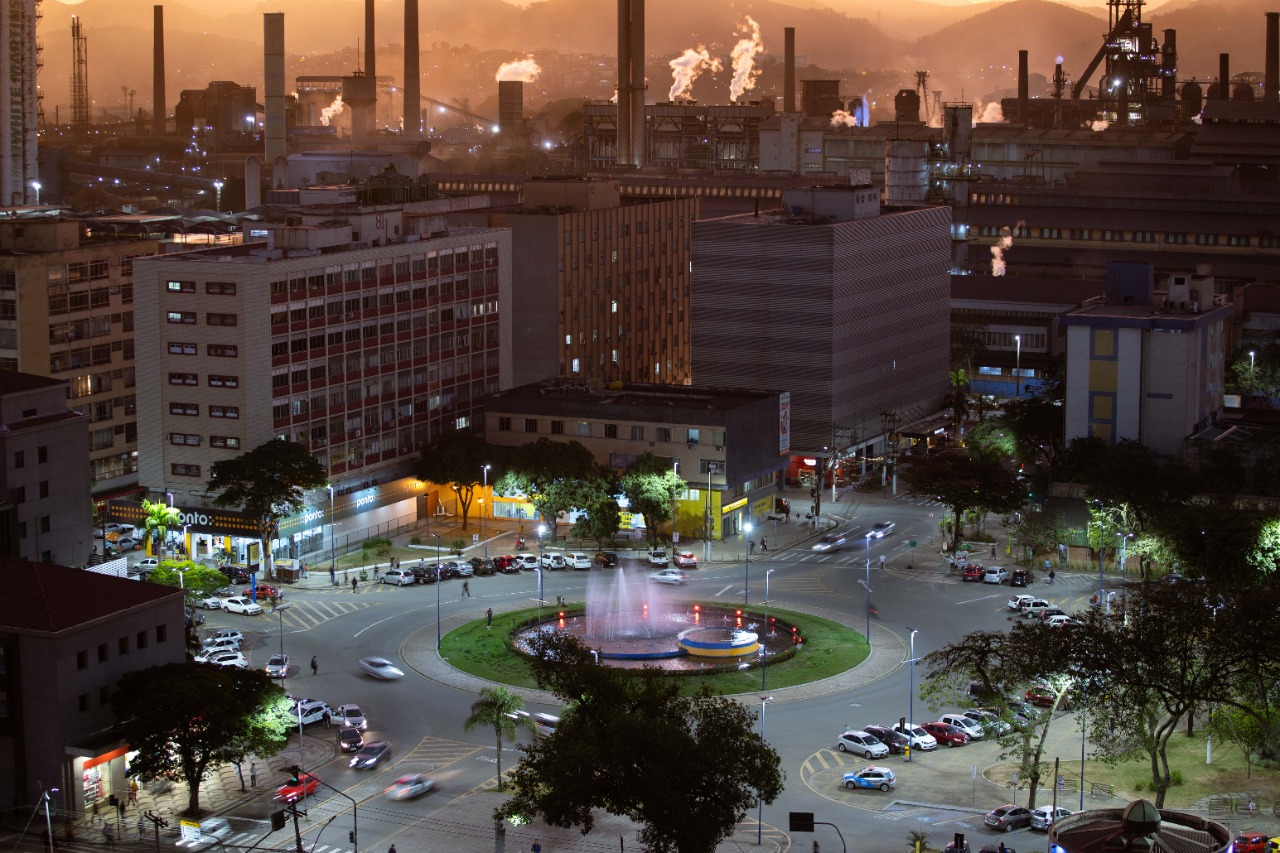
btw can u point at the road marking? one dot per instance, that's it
(725, 589)
(984, 598)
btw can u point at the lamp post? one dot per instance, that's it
(35, 185)
(169, 495)
(764, 700)
(1017, 368)
(746, 565)
(764, 651)
(1110, 595)
(484, 523)
(217, 188)
(279, 610)
(911, 690)
(867, 585)
(542, 529)
(333, 557)
(1251, 352)
(437, 591)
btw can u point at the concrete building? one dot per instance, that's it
(19, 102)
(1144, 365)
(603, 291)
(66, 312)
(223, 110)
(728, 445)
(43, 447)
(66, 638)
(841, 305)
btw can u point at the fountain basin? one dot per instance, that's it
(719, 642)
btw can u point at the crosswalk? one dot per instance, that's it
(305, 614)
(251, 840)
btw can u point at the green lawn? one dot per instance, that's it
(830, 648)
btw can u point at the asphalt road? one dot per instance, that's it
(936, 792)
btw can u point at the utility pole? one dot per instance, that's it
(297, 833)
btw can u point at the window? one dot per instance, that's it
(530, 424)
(122, 646)
(162, 633)
(141, 640)
(610, 430)
(177, 348)
(220, 288)
(19, 459)
(82, 660)
(637, 432)
(224, 350)
(184, 379)
(102, 653)
(180, 470)
(184, 438)
(224, 411)
(215, 319)
(583, 429)
(664, 434)
(218, 381)
(44, 488)
(45, 525)
(182, 287)
(18, 494)
(504, 424)
(227, 442)
(190, 410)
(557, 427)
(83, 702)
(693, 436)
(186, 317)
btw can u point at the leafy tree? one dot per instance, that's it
(957, 399)
(184, 719)
(264, 734)
(991, 439)
(460, 457)
(968, 346)
(196, 578)
(1251, 733)
(651, 486)
(1038, 426)
(267, 483)
(160, 517)
(546, 472)
(625, 745)
(1037, 530)
(965, 484)
(597, 497)
(497, 709)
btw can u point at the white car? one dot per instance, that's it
(881, 529)
(995, 574)
(1060, 620)
(968, 725)
(408, 787)
(310, 711)
(658, 557)
(686, 560)
(553, 561)
(240, 604)
(920, 738)
(667, 576)
(1017, 601)
(148, 564)
(1042, 818)
(224, 634)
(988, 720)
(862, 743)
(829, 542)
(214, 655)
(1033, 608)
(278, 666)
(209, 602)
(527, 561)
(220, 644)
(350, 715)
(577, 561)
(212, 830)
(381, 668)
(229, 660)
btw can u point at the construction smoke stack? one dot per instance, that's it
(510, 106)
(1271, 74)
(252, 182)
(789, 70)
(273, 80)
(624, 82)
(631, 116)
(1169, 65)
(1024, 90)
(638, 146)
(1224, 76)
(370, 51)
(157, 74)
(412, 74)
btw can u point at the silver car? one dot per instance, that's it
(278, 666)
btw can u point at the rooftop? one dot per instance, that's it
(54, 599)
(13, 381)
(552, 394)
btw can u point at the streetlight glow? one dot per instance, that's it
(1017, 369)
(911, 692)
(764, 700)
(484, 523)
(746, 567)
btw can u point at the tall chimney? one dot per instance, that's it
(370, 51)
(638, 147)
(1169, 66)
(1271, 74)
(157, 74)
(273, 80)
(789, 70)
(1024, 90)
(1224, 76)
(412, 74)
(252, 182)
(624, 83)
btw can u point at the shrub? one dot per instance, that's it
(1175, 777)
(415, 540)
(373, 543)
(458, 546)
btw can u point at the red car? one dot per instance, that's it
(306, 786)
(507, 564)
(265, 590)
(1041, 697)
(972, 572)
(1250, 841)
(947, 733)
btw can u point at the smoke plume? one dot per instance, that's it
(524, 70)
(744, 59)
(327, 114)
(840, 118)
(686, 68)
(1003, 244)
(990, 113)
(1099, 125)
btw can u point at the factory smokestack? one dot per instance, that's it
(624, 83)
(1271, 74)
(638, 147)
(1024, 90)
(157, 74)
(789, 70)
(1169, 66)
(1224, 76)
(510, 106)
(252, 182)
(273, 80)
(412, 74)
(370, 52)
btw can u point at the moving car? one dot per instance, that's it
(686, 560)
(371, 755)
(675, 576)
(408, 787)
(829, 542)
(995, 574)
(658, 557)
(398, 577)
(861, 743)
(947, 733)
(1035, 607)
(881, 529)
(265, 590)
(147, 564)
(1043, 817)
(870, 777)
(212, 830)
(306, 786)
(1007, 817)
(350, 715)
(896, 741)
(241, 605)
(1016, 602)
(278, 666)
(381, 668)
(606, 559)
(350, 739)
(125, 543)
(920, 737)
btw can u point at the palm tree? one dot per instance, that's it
(498, 707)
(957, 399)
(918, 841)
(160, 517)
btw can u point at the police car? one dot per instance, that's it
(870, 777)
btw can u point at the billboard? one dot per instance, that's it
(784, 423)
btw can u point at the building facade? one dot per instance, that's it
(19, 102)
(728, 445)
(66, 312)
(43, 446)
(66, 639)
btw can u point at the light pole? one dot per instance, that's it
(867, 585)
(437, 592)
(35, 185)
(484, 523)
(1017, 368)
(279, 610)
(764, 650)
(217, 188)
(911, 691)
(44, 795)
(1110, 595)
(169, 495)
(764, 700)
(333, 557)
(746, 565)
(542, 529)
(1251, 352)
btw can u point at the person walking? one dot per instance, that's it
(537, 846)
(488, 619)
(751, 546)
(315, 666)
(328, 719)
(764, 544)
(993, 550)
(882, 561)
(1052, 575)
(109, 833)
(353, 584)
(466, 590)
(253, 774)
(133, 790)
(393, 849)
(1253, 809)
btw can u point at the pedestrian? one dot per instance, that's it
(488, 619)
(537, 846)
(375, 570)
(751, 546)
(253, 774)
(393, 849)
(353, 584)
(993, 550)
(764, 543)
(1052, 575)
(1002, 848)
(109, 833)
(133, 790)
(466, 590)
(815, 845)
(315, 666)
(1253, 809)
(882, 561)
(142, 827)
(422, 564)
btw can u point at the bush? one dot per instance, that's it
(415, 540)
(1175, 777)
(373, 543)
(458, 546)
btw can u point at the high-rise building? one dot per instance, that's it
(19, 107)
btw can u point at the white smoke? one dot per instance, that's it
(525, 70)
(840, 118)
(990, 113)
(327, 114)
(1099, 125)
(1003, 244)
(686, 68)
(744, 59)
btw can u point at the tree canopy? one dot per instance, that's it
(196, 578)
(625, 745)
(460, 457)
(160, 517)
(651, 486)
(965, 484)
(551, 474)
(183, 719)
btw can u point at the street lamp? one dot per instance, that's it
(1017, 368)
(44, 795)
(217, 188)
(1110, 595)
(911, 692)
(279, 610)
(1251, 352)
(169, 495)
(542, 529)
(437, 592)
(867, 585)
(764, 700)
(484, 525)
(746, 566)
(333, 558)
(764, 650)
(35, 185)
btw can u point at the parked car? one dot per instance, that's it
(408, 787)
(306, 786)
(527, 561)
(241, 605)
(381, 669)
(672, 576)
(423, 573)
(578, 561)
(311, 711)
(861, 743)
(1042, 697)
(606, 559)
(228, 658)
(482, 566)
(371, 755)
(453, 569)
(1021, 577)
(194, 617)
(265, 590)
(221, 644)
(553, 562)
(686, 560)
(125, 544)
(350, 715)
(870, 777)
(147, 564)
(881, 529)
(896, 741)
(658, 557)
(1060, 620)
(829, 542)
(921, 739)
(988, 719)
(1016, 601)
(209, 602)
(235, 572)
(350, 739)
(995, 574)
(969, 726)
(225, 634)
(1043, 817)
(507, 564)
(278, 666)
(947, 733)
(398, 577)
(1035, 607)
(972, 572)
(1007, 817)
(1050, 612)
